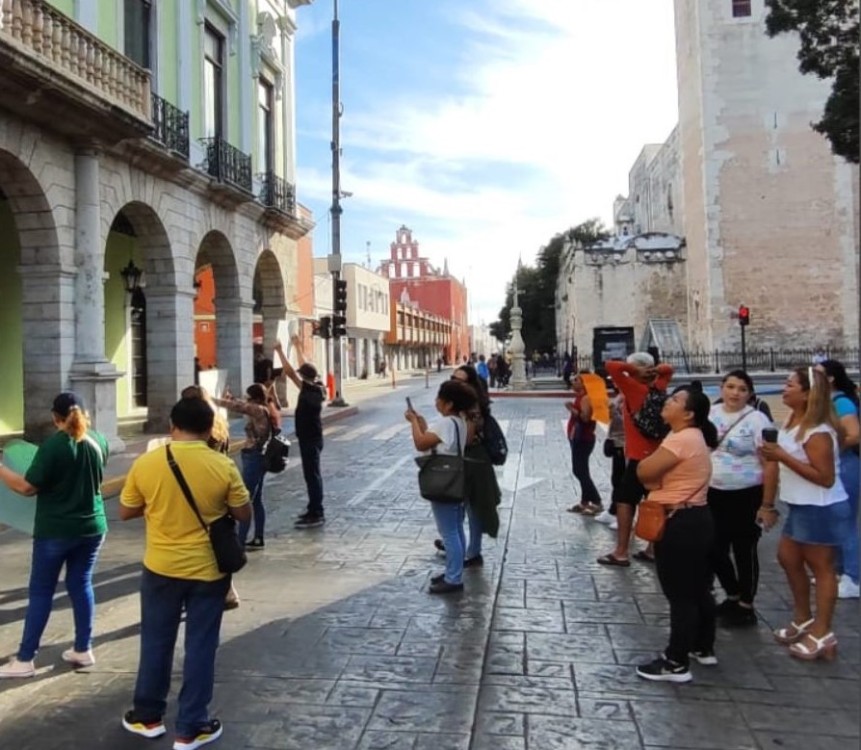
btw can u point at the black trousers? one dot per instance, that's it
(580, 452)
(617, 473)
(734, 514)
(309, 450)
(683, 562)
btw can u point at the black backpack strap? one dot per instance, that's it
(183, 485)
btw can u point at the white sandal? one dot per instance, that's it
(793, 633)
(822, 648)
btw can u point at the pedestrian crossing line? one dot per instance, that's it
(503, 425)
(333, 429)
(357, 432)
(391, 431)
(564, 424)
(534, 427)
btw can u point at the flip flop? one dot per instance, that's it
(643, 557)
(613, 562)
(592, 510)
(576, 509)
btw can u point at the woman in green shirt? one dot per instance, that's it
(66, 478)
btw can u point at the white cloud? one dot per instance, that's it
(562, 93)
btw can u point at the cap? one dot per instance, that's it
(65, 402)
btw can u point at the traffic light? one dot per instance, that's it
(743, 315)
(324, 327)
(341, 296)
(339, 326)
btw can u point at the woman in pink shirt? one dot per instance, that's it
(677, 475)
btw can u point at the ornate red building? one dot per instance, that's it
(433, 290)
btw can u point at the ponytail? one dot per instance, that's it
(698, 404)
(77, 423)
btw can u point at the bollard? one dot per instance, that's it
(427, 378)
(393, 378)
(330, 385)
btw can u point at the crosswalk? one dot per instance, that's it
(344, 433)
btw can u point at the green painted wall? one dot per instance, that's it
(109, 18)
(118, 250)
(11, 342)
(66, 7)
(168, 30)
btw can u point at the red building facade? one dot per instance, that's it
(435, 291)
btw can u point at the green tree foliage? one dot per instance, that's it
(537, 285)
(828, 30)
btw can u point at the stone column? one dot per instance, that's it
(234, 322)
(91, 375)
(517, 349)
(272, 316)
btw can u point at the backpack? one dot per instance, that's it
(493, 440)
(275, 454)
(648, 417)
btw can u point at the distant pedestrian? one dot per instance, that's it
(807, 452)
(309, 432)
(492, 370)
(614, 449)
(581, 437)
(844, 395)
(448, 436)
(180, 579)
(677, 475)
(66, 477)
(483, 371)
(741, 483)
(258, 431)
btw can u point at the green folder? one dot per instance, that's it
(18, 511)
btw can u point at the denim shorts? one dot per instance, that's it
(818, 524)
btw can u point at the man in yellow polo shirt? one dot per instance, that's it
(180, 573)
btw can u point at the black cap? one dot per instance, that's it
(65, 402)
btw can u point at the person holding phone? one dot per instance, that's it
(741, 481)
(807, 454)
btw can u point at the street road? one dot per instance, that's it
(337, 646)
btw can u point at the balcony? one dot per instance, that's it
(228, 164)
(276, 193)
(170, 126)
(52, 65)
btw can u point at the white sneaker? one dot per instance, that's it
(605, 517)
(847, 588)
(17, 668)
(614, 524)
(79, 658)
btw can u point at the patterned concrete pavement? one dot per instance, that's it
(337, 646)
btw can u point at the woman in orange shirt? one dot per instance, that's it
(677, 475)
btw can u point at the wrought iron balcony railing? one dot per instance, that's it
(277, 193)
(171, 126)
(227, 163)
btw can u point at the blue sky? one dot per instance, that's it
(486, 126)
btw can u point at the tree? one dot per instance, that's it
(829, 50)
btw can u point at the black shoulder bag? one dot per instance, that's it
(229, 553)
(442, 478)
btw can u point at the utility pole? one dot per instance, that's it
(335, 257)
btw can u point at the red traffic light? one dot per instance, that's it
(743, 315)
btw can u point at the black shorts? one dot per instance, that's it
(630, 490)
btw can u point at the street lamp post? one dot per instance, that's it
(336, 210)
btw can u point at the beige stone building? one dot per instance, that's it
(745, 200)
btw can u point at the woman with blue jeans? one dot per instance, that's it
(66, 477)
(844, 395)
(447, 436)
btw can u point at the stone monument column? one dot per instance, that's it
(517, 347)
(91, 376)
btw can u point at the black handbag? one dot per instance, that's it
(609, 447)
(229, 553)
(442, 478)
(275, 453)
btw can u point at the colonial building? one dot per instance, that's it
(433, 290)
(744, 204)
(143, 145)
(416, 337)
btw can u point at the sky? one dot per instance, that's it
(485, 126)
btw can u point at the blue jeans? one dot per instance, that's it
(162, 602)
(848, 557)
(473, 549)
(79, 554)
(253, 470)
(449, 524)
(310, 451)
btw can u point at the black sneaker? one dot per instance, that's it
(438, 579)
(740, 617)
(309, 521)
(474, 562)
(444, 587)
(255, 544)
(706, 658)
(727, 607)
(206, 733)
(664, 670)
(144, 727)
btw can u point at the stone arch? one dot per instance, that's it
(142, 331)
(233, 314)
(269, 296)
(38, 340)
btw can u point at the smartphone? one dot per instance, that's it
(769, 435)
(410, 404)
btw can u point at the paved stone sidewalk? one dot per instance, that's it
(338, 647)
